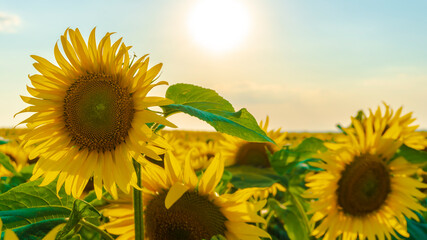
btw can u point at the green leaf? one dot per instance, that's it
(310, 146)
(27, 196)
(240, 124)
(81, 209)
(279, 160)
(208, 106)
(416, 230)
(412, 155)
(5, 161)
(247, 176)
(3, 142)
(37, 230)
(11, 216)
(197, 97)
(290, 219)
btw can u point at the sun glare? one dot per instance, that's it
(219, 25)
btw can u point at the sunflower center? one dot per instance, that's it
(363, 186)
(254, 154)
(98, 112)
(192, 217)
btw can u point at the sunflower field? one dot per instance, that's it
(96, 161)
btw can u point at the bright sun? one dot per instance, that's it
(218, 25)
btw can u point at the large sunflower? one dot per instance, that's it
(237, 151)
(90, 114)
(363, 191)
(178, 205)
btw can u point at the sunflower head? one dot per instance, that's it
(390, 125)
(364, 191)
(237, 151)
(180, 205)
(90, 114)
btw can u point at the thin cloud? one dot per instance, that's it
(9, 22)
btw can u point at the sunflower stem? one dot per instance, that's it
(138, 204)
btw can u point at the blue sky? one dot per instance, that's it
(307, 64)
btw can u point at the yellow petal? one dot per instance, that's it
(52, 234)
(245, 229)
(175, 193)
(10, 235)
(173, 169)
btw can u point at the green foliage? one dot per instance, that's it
(3, 142)
(81, 210)
(5, 161)
(416, 230)
(223, 184)
(37, 230)
(32, 211)
(197, 97)
(310, 146)
(291, 219)
(30, 208)
(412, 155)
(208, 106)
(287, 160)
(248, 176)
(7, 183)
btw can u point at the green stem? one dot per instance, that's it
(138, 204)
(89, 225)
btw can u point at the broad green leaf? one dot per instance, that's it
(198, 97)
(247, 177)
(240, 124)
(3, 142)
(412, 155)
(37, 230)
(208, 106)
(25, 197)
(5, 161)
(11, 216)
(291, 219)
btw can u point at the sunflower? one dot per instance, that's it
(390, 125)
(18, 157)
(178, 205)
(363, 191)
(90, 114)
(237, 151)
